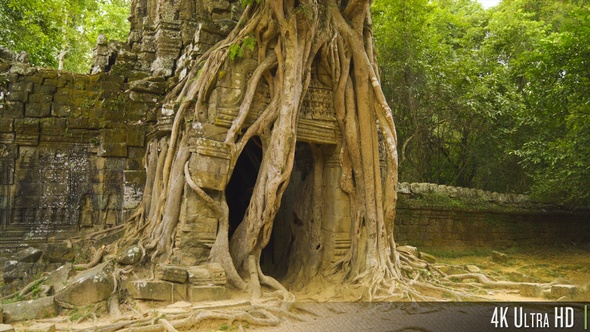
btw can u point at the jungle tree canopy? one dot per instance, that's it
(61, 32)
(492, 99)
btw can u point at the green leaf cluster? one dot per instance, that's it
(237, 50)
(246, 3)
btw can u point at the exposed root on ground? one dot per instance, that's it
(257, 315)
(26, 290)
(94, 261)
(421, 282)
(482, 279)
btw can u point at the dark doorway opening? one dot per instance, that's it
(275, 256)
(238, 193)
(239, 189)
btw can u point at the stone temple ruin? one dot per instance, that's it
(72, 150)
(73, 144)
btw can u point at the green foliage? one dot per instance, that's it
(441, 200)
(249, 43)
(50, 30)
(439, 89)
(494, 99)
(16, 298)
(246, 3)
(557, 94)
(29, 26)
(232, 327)
(237, 50)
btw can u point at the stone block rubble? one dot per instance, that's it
(176, 283)
(56, 287)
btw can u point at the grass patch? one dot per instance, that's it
(575, 267)
(441, 200)
(16, 298)
(232, 328)
(456, 252)
(79, 313)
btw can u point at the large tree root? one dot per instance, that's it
(23, 292)
(257, 316)
(482, 279)
(94, 261)
(422, 281)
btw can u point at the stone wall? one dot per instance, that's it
(71, 150)
(442, 216)
(72, 145)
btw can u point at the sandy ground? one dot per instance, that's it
(567, 265)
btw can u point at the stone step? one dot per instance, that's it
(6, 328)
(11, 246)
(173, 292)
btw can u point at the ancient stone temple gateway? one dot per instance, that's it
(72, 149)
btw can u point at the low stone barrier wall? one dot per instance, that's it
(443, 216)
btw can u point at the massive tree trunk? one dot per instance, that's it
(291, 38)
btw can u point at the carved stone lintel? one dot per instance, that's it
(210, 164)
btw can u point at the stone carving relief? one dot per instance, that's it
(87, 214)
(7, 155)
(317, 120)
(50, 185)
(111, 215)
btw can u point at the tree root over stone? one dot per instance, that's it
(96, 258)
(26, 290)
